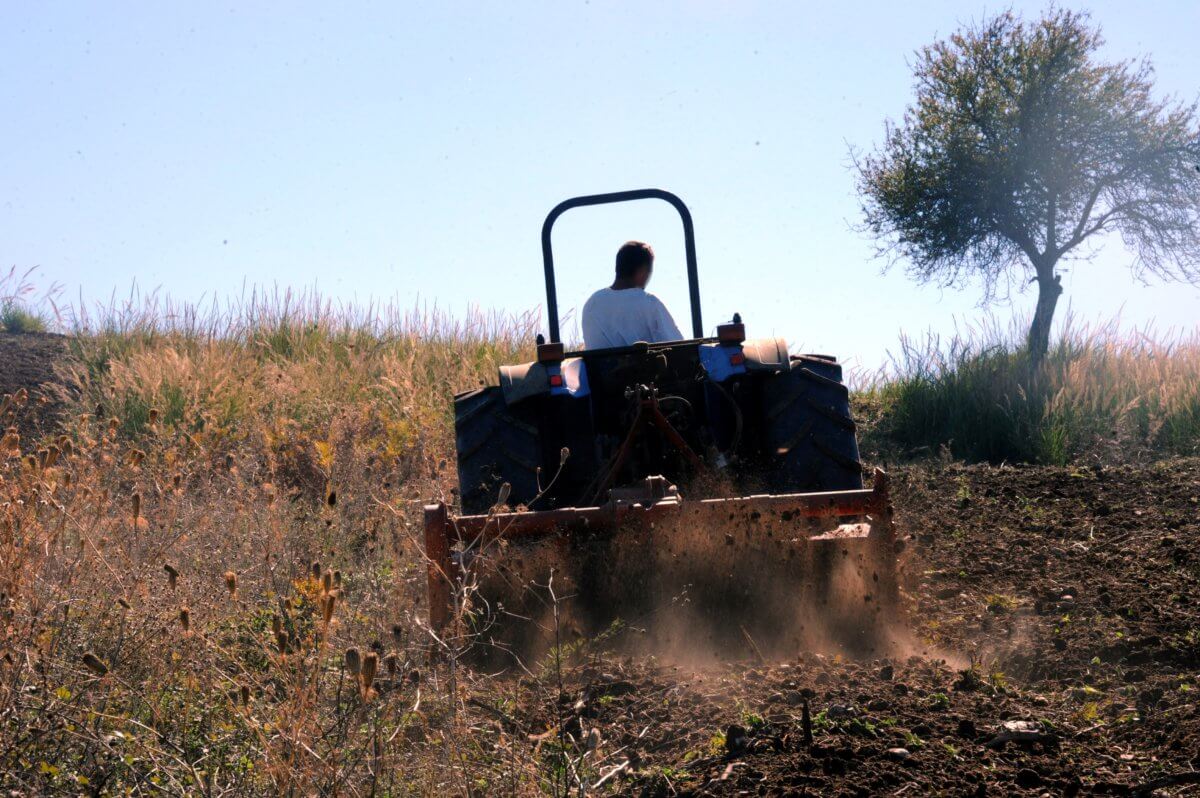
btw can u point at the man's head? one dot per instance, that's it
(635, 262)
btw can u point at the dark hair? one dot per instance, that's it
(632, 256)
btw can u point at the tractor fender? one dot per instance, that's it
(766, 354)
(523, 381)
(533, 379)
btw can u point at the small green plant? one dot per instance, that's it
(963, 495)
(1000, 603)
(15, 317)
(753, 720)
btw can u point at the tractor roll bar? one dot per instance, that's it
(689, 243)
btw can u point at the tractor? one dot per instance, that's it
(573, 472)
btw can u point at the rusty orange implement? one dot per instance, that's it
(818, 543)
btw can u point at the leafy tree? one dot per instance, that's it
(1021, 146)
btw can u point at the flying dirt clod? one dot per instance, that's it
(571, 518)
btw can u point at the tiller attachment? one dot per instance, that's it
(768, 574)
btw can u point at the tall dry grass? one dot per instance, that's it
(1102, 392)
(211, 580)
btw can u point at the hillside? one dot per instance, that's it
(222, 529)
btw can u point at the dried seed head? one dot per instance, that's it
(229, 462)
(52, 454)
(137, 506)
(397, 633)
(245, 695)
(337, 578)
(276, 625)
(505, 490)
(176, 481)
(353, 661)
(283, 642)
(327, 581)
(172, 575)
(563, 455)
(370, 666)
(231, 582)
(327, 607)
(124, 604)
(153, 415)
(95, 664)
(393, 664)
(185, 619)
(10, 444)
(316, 570)
(331, 497)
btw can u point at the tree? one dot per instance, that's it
(1020, 147)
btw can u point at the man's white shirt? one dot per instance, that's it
(623, 317)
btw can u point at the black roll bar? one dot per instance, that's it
(689, 243)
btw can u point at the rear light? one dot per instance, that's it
(556, 380)
(737, 359)
(550, 353)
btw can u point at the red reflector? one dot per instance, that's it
(556, 381)
(737, 359)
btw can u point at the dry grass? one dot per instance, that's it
(1102, 392)
(211, 579)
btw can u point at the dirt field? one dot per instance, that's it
(1054, 616)
(26, 362)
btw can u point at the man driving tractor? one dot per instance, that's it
(625, 312)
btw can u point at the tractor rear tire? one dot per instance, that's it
(811, 438)
(496, 444)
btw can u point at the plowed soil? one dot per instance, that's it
(27, 361)
(1055, 624)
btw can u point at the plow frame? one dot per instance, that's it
(654, 499)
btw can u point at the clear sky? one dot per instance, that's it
(410, 152)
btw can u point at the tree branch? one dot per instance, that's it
(1079, 237)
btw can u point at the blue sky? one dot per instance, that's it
(410, 152)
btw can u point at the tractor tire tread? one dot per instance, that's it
(825, 382)
(494, 446)
(845, 422)
(811, 436)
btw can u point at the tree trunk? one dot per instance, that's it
(1049, 289)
